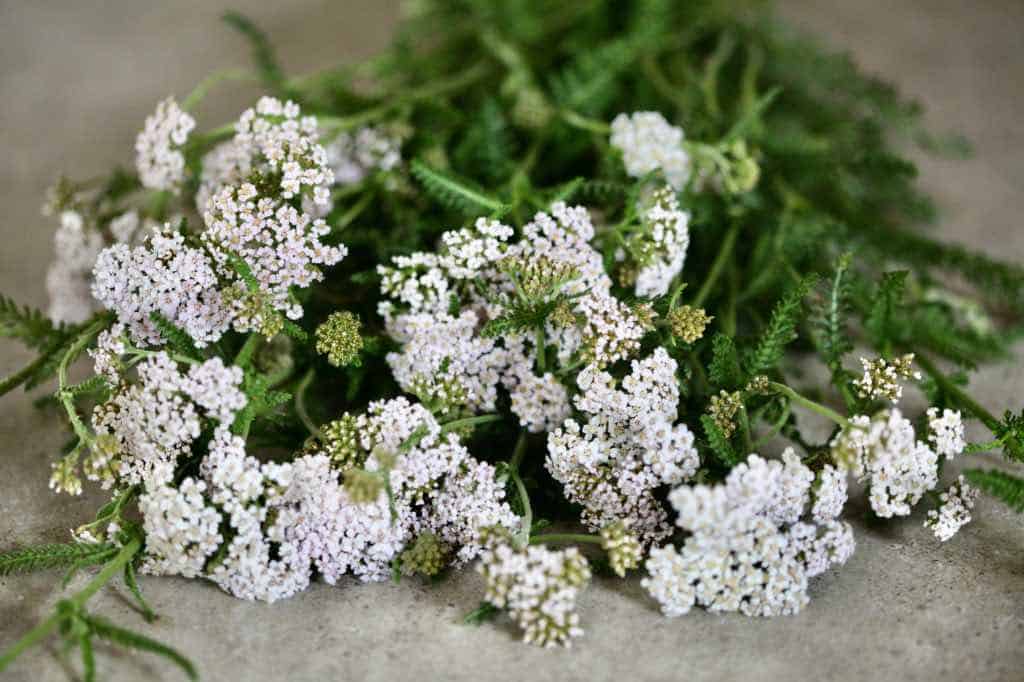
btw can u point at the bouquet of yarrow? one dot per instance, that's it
(528, 292)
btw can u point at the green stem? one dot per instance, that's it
(43, 629)
(566, 537)
(724, 252)
(470, 421)
(968, 403)
(540, 349)
(211, 81)
(23, 374)
(300, 404)
(818, 408)
(585, 123)
(523, 538)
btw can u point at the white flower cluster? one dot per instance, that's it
(881, 378)
(369, 149)
(629, 447)
(155, 421)
(648, 142)
(158, 157)
(954, 512)
(749, 550)
(69, 276)
(444, 359)
(280, 244)
(661, 247)
(946, 432)
(166, 276)
(538, 586)
(290, 519)
(885, 452)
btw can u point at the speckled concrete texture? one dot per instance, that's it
(76, 80)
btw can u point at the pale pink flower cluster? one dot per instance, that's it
(627, 450)
(158, 157)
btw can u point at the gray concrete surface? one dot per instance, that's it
(76, 79)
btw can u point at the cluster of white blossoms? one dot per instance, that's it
(279, 243)
(954, 512)
(648, 143)
(353, 156)
(881, 378)
(660, 247)
(538, 586)
(290, 519)
(750, 548)
(166, 276)
(150, 424)
(69, 277)
(158, 157)
(628, 448)
(445, 359)
(946, 432)
(885, 452)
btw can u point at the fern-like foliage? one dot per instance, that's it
(487, 149)
(28, 325)
(724, 371)
(175, 337)
(104, 629)
(1009, 489)
(589, 82)
(455, 193)
(718, 443)
(57, 555)
(780, 331)
(833, 339)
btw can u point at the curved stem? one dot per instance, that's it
(43, 629)
(724, 252)
(469, 421)
(969, 403)
(300, 404)
(214, 79)
(566, 537)
(818, 408)
(584, 123)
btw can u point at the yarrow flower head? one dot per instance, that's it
(881, 377)
(946, 432)
(648, 142)
(659, 247)
(954, 512)
(338, 338)
(353, 156)
(538, 586)
(68, 278)
(165, 276)
(749, 550)
(884, 451)
(627, 449)
(622, 547)
(688, 323)
(159, 160)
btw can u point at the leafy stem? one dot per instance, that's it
(813, 406)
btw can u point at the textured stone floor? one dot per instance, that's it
(76, 79)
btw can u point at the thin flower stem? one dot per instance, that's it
(971, 405)
(519, 452)
(43, 629)
(470, 421)
(584, 123)
(523, 538)
(565, 537)
(540, 349)
(724, 253)
(818, 408)
(207, 84)
(300, 404)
